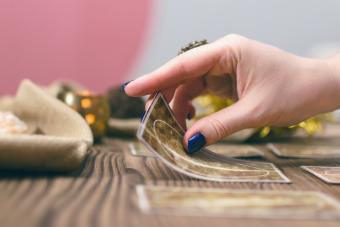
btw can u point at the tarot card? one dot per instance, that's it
(162, 134)
(329, 174)
(138, 149)
(236, 203)
(235, 150)
(304, 151)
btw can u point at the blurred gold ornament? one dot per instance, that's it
(207, 104)
(94, 108)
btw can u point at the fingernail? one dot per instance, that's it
(189, 116)
(122, 87)
(196, 142)
(142, 116)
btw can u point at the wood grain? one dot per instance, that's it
(102, 193)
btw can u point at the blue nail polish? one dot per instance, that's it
(122, 87)
(196, 142)
(142, 116)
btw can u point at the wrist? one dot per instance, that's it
(322, 78)
(334, 71)
(334, 64)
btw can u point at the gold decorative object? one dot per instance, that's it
(94, 108)
(192, 45)
(209, 104)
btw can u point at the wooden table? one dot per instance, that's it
(102, 193)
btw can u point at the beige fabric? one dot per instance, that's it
(6, 103)
(64, 140)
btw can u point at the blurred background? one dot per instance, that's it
(105, 42)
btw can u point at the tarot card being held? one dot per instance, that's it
(236, 203)
(236, 150)
(304, 151)
(329, 174)
(162, 134)
(137, 149)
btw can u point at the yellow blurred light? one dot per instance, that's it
(90, 118)
(85, 103)
(302, 124)
(264, 132)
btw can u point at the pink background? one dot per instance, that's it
(94, 42)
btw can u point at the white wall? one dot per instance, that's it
(300, 26)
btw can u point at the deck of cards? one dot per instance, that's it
(236, 150)
(163, 136)
(137, 149)
(228, 150)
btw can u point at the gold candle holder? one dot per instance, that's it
(94, 108)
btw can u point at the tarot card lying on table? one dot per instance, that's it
(329, 174)
(304, 151)
(137, 149)
(236, 150)
(162, 134)
(168, 200)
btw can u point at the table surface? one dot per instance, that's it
(102, 193)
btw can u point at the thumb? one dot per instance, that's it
(217, 126)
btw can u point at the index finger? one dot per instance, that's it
(188, 65)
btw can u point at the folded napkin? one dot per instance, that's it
(59, 137)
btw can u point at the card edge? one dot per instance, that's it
(317, 175)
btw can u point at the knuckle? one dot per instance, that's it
(234, 46)
(254, 115)
(218, 128)
(259, 116)
(234, 38)
(183, 67)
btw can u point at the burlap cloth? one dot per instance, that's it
(60, 136)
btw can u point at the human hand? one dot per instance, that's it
(271, 87)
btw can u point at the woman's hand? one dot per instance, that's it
(271, 87)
